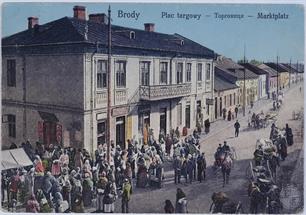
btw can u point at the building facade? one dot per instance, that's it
(240, 76)
(226, 96)
(262, 79)
(271, 80)
(55, 88)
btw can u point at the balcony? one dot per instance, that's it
(159, 92)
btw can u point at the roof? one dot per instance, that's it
(69, 30)
(268, 69)
(289, 68)
(276, 67)
(14, 158)
(254, 68)
(226, 68)
(221, 84)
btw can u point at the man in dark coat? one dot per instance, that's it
(229, 115)
(190, 168)
(236, 111)
(224, 113)
(201, 164)
(289, 135)
(177, 164)
(237, 126)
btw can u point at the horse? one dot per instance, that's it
(265, 196)
(222, 204)
(226, 166)
(256, 198)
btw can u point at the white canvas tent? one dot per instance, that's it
(14, 158)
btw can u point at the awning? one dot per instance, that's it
(14, 158)
(49, 117)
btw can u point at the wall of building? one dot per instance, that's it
(72, 126)
(129, 99)
(262, 80)
(251, 86)
(225, 96)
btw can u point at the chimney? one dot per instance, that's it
(79, 12)
(32, 21)
(149, 27)
(98, 18)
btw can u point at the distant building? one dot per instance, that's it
(54, 82)
(234, 73)
(262, 79)
(271, 80)
(226, 96)
(283, 75)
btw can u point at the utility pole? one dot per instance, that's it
(109, 84)
(277, 77)
(297, 69)
(290, 74)
(244, 94)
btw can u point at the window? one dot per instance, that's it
(199, 72)
(188, 72)
(163, 72)
(11, 125)
(207, 72)
(224, 101)
(11, 73)
(121, 74)
(230, 99)
(179, 73)
(101, 130)
(145, 73)
(234, 98)
(179, 114)
(102, 74)
(132, 35)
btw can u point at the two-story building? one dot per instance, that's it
(54, 82)
(262, 79)
(271, 80)
(238, 75)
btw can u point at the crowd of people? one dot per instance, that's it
(70, 179)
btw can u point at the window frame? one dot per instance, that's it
(199, 72)
(121, 74)
(102, 84)
(11, 72)
(188, 72)
(207, 72)
(179, 74)
(144, 76)
(101, 134)
(11, 125)
(161, 73)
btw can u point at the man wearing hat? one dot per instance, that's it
(126, 196)
(201, 167)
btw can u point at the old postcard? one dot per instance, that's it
(152, 107)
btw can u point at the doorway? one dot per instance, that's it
(187, 116)
(221, 106)
(49, 133)
(120, 132)
(216, 107)
(163, 120)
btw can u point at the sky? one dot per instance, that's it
(263, 39)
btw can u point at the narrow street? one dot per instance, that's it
(199, 194)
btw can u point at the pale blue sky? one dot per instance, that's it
(263, 38)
